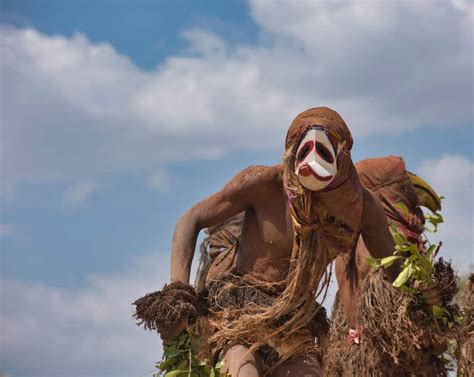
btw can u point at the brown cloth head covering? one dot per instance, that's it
(332, 123)
(387, 178)
(335, 211)
(318, 116)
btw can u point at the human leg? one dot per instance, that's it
(239, 362)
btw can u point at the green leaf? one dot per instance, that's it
(180, 359)
(414, 249)
(220, 364)
(402, 207)
(171, 352)
(434, 219)
(406, 289)
(388, 261)
(402, 278)
(438, 311)
(401, 249)
(397, 237)
(425, 264)
(399, 240)
(458, 319)
(174, 373)
(202, 372)
(429, 252)
(166, 363)
(182, 340)
(411, 270)
(372, 262)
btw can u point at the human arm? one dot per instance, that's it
(239, 194)
(376, 233)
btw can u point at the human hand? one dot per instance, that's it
(431, 292)
(172, 331)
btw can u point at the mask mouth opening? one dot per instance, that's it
(309, 169)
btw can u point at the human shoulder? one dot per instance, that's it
(258, 175)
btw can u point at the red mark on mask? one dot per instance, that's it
(305, 171)
(305, 150)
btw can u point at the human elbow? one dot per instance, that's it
(189, 221)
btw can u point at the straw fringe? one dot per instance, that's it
(174, 303)
(466, 339)
(400, 337)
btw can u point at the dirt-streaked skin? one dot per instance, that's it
(266, 240)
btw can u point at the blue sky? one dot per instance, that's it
(118, 116)
(146, 31)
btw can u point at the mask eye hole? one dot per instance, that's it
(324, 153)
(304, 151)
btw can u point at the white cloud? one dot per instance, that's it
(203, 42)
(78, 193)
(464, 5)
(386, 64)
(73, 110)
(88, 331)
(453, 177)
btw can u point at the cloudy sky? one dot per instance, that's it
(117, 116)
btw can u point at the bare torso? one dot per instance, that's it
(267, 233)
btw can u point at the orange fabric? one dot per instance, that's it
(388, 179)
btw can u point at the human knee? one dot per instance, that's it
(240, 362)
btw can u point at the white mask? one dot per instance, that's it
(315, 163)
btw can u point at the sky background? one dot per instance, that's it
(116, 116)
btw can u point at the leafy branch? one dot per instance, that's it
(447, 317)
(417, 264)
(180, 359)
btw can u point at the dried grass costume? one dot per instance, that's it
(279, 314)
(466, 339)
(399, 337)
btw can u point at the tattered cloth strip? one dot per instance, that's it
(466, 339)
(218, 249)
(400, 336)
(232, 295)
(174, 303)
(388, 179)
